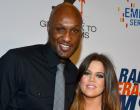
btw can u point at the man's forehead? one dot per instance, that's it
(65, 11)
(64, 8)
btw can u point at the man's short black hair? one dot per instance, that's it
(70, 1)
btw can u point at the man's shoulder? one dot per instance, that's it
(30, 48)
(25, 51)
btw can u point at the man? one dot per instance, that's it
(27, 75)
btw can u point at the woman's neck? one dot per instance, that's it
(93, 103)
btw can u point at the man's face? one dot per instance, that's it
(65, 34)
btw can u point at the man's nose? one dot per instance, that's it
(67, 36)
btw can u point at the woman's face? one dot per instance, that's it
(92, 83)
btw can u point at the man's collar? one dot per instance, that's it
(52, 58)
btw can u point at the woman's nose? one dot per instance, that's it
(91, 77)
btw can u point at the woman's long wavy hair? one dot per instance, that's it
(111, 97)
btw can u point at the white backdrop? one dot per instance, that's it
(104, 32)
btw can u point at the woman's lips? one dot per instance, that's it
(91, 86)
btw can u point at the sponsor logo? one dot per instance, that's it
(129, 14)
(88, 29)
(43, 23)
(129, 88)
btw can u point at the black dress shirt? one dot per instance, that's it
(27, 79)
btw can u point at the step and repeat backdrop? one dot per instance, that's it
(111, 27)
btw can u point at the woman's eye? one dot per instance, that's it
(87, 73)
(100, 75)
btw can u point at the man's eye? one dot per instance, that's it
(75, 30)
(59, 29)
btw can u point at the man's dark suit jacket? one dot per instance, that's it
(27, 79)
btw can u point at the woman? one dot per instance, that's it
(97, 85)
